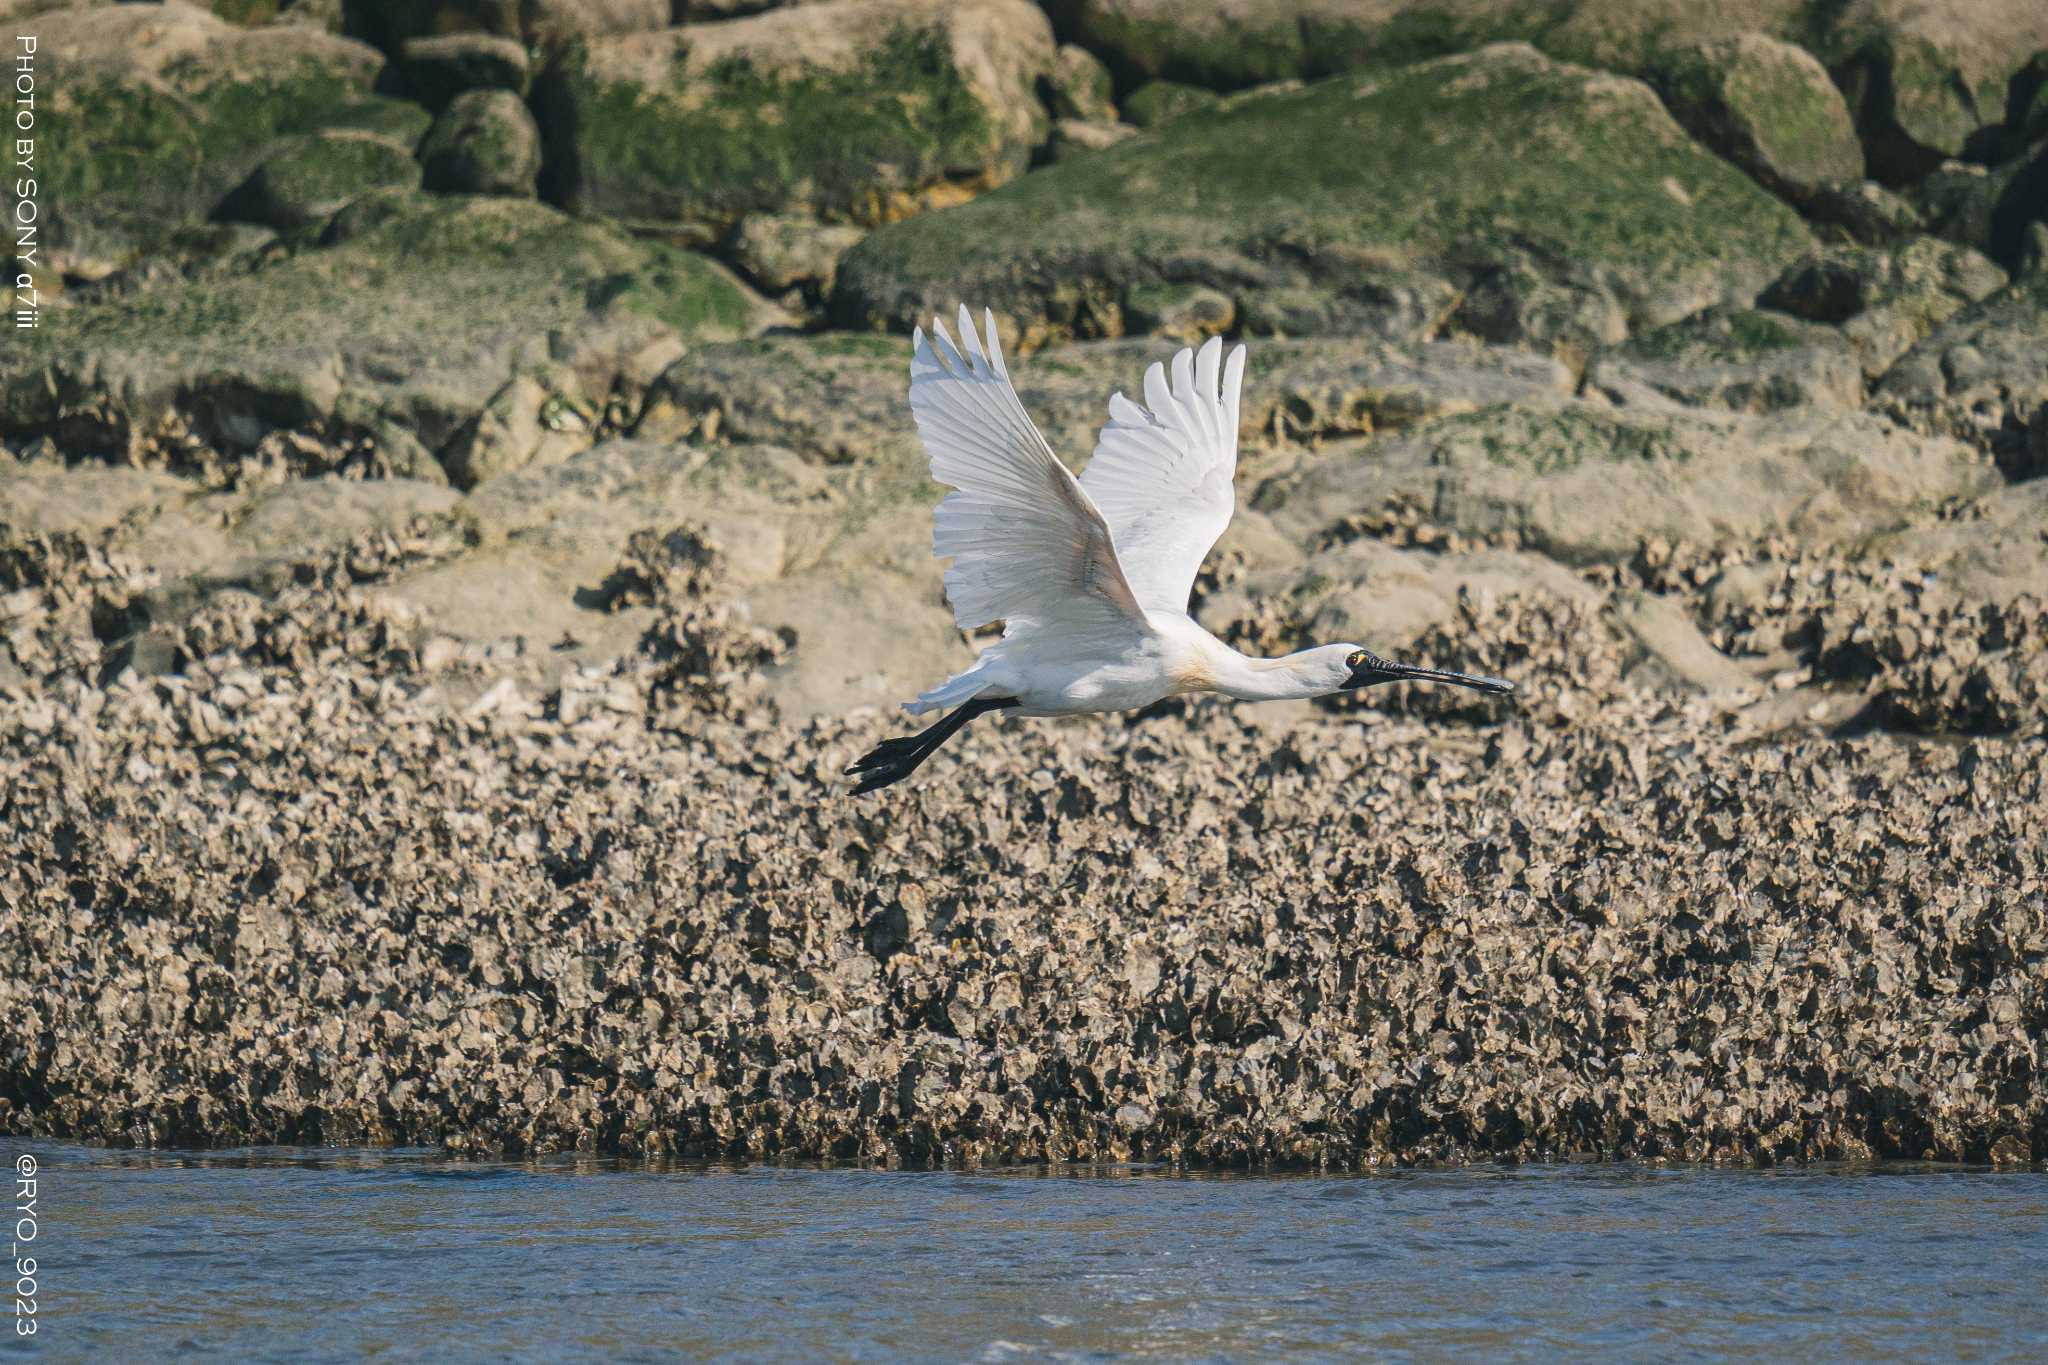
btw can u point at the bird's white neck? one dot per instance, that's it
(1244, 678)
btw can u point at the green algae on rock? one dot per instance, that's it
(164, 109)
(863, 111)
(1922, 79)
(426, 307)
(1078, 86)
(308, 179)
(1923, 82)
(542, 25)
(1768, 107)
(1566, 202)
(438, 69)
(484, 142)
(1159, 102)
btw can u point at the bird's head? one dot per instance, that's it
(1350, 667)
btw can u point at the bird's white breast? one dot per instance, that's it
(1054, 675)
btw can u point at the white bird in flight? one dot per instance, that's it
(1090, 576)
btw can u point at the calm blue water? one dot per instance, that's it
(336, 1254)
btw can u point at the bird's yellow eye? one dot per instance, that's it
(1354, 659)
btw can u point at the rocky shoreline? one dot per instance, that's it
(458, 516)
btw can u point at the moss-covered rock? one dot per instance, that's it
(1225, 47)
(544, 24)
(307, 179)
(780, 251)
(1923, 80)
(1179, 312)
(1928, 82)
(484, 142)
(1864, 212)
(1078, 86)
(1767, 106)
(2026, 107)
(438, 69)
(244, 11)
(1158, 102)
(868, 110)
(419, 311)
(1073, 137)
(1498, 192)
(1988, 208)
(161, 110)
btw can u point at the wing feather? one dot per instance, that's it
(1026, 541)
(1162, 473)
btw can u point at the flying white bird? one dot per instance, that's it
(1090, 576)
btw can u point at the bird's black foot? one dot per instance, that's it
(895, 759)
(888, 762)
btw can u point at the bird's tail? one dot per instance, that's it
(959, 688)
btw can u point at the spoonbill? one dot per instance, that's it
(1090, 576)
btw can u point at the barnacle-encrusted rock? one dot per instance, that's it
(330, 882)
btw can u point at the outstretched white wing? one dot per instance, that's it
(1027, 543)
(1162, 473)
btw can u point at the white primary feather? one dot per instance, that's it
(1162, 473)
(1027, 544)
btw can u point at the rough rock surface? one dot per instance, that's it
(1884, 300)
(425, 306)
(438, 69)
(484, 142)
(316, 902)
(1767, 106)
(540, 24)
(1750, 360)
(865, 110)
(162, 109)
(1983, 374)
(307, 180)
(1923, 79)
(1582, 483)
(1440, 214)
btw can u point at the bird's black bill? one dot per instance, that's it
(1375, 671)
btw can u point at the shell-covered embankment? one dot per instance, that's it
(290, 894)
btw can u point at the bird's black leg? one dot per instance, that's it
(895, 759)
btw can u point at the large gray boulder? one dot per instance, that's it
(484, 142)
(1767, 106)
